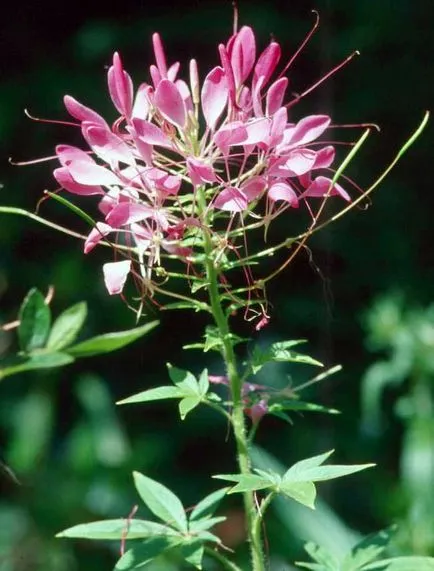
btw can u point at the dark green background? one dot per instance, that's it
(49, 49)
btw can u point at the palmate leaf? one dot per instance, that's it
(116, 529)
(190, 391)
(109, 341)
(35, 319)
(161, 501)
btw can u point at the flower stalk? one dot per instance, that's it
(235, 385)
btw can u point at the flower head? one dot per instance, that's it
(185, 157)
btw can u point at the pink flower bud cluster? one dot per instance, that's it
(230, 139)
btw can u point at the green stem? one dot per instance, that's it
(221, 559)
(235, 383)
(259, 518)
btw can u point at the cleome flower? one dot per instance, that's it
(184, 157)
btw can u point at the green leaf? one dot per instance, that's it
(35, 319)
(207, 506)
(279, 352)
(161, 501)
(192, 552)
(302, 492)
(409, 563)
(109, 341)
(116, 529)
(183, 379)
(325, 560)
(246, 482)
(20, 364)
(67, 326)
(302, 465)
(158, 393)
(312, 471)
(140, 555)
(368, 549)
(204, 382)
(188, 404)
(204, 524)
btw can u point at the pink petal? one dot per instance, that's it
(109, 201)
(67, 153)
(254, 187)
(200, 172)
(231, 199)
(142, 235)
(81, 112)
(107, 145)
(127, 213)
(141, 102)
(258, 131)
(155, 75)
(96, 235)
(257, 98)
(160, 57)
(266, 63)
(91, 173)
(309, 129)
(214, 96)
(283, 191)
(120, 87)
(185, 94)
(243, 54)
(172, 72)
(275, 95)
(230, 134)
(115, 275)
(321, 187)
(299, 162)
(324, 157)
(229, 73)
(169, 102)
(150, 133)
(64, 178)
(280, 120)
(163, 181)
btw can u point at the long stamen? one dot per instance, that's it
(302, 45)
(322, 79)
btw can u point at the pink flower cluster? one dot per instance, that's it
(230, 139)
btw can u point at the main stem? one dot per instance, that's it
(235, 384)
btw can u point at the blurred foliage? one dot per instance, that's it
(405, 338)
(73, 452)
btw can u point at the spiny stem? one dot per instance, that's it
(235, 383)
